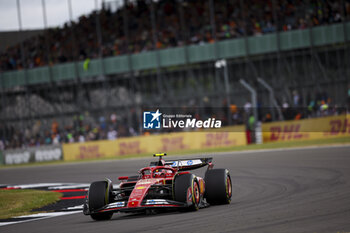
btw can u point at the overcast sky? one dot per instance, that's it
(32, 13)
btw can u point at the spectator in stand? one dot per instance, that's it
(267, 118)
(258, 17)
(103, 123)
(296, 98)
(48, 139)
(112, 134)
(81, 138)
(54, 127)
(56, 139)
(70, 138)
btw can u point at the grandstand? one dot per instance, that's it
(99, 73)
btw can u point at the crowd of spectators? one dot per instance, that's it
(79, 41)
(80, 130)
(177, 23)
(115, 126)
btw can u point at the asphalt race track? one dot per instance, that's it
(296, 190)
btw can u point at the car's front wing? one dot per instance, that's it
(122, 206)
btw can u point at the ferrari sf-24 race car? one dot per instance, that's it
(162, 185)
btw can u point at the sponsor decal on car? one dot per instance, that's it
(144, 182)
(150, 202)
(157, 202)
(116, 204)
(186, 163)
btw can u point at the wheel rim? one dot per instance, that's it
(228, 187)
(196, 193)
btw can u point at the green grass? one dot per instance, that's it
(271, 145)
(19, 202)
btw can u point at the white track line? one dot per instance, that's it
(70, 186)
(78, 207)
(40, 185)
(39, 216)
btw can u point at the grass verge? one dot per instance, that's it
(19, 202)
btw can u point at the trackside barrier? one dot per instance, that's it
(172, 142)
(32, 155)
(315, 128)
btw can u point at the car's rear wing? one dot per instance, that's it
(189, 164)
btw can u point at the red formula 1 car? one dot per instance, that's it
(162, 185)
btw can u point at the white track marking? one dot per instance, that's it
(49, 186)
(40, 185)
(39, 217)
(70, 186)
(78, 207)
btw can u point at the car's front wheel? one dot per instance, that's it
(186, 189)
(98, 196)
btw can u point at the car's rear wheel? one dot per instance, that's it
(99, 194)
(186, 189)
(218, 186)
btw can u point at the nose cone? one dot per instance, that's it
(133, 204)
(139, 192)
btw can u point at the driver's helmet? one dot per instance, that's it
(159, 173)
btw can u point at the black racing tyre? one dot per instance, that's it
(98, 196)
(101, 216)
(218, 186)
(182, 183)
